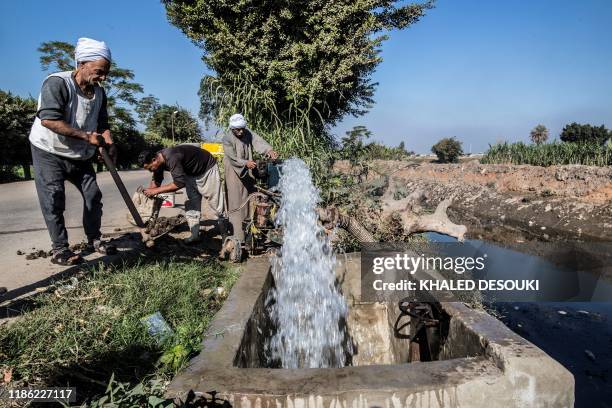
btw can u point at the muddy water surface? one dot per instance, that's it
(576, 334)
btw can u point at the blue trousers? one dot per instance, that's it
(50, 173)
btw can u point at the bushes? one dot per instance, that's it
(448, 150)
(575, 132)
(16, 117)
(356, 150)
(548, 154)
(378, 151)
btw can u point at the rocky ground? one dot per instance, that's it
(512, 202)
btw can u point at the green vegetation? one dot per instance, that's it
(355, 150)
(379, 151)
(575, 132)
(293, 69)
(548, 154)
(16, 116)
(92, 333)
(296, 136)
(167, 124)
(314, 57)
(448, 150)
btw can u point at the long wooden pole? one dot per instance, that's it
(124, 193)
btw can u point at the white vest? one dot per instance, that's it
(81, 113)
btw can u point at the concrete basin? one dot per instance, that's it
(479, 363)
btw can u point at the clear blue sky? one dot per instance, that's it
(479, 70)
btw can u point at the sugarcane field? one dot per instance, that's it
(306, 204)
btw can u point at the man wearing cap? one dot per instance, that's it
(71, 122)
(238, 145)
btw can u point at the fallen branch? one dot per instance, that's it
(409, 209)
(330, 217)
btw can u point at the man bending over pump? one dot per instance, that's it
(191, 167)
(239, 142)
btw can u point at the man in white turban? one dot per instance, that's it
(71, 122)
(238, 145)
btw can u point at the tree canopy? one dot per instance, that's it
(173, 123)
(448, 150)
(539, 134)
(16, 117)
(311, 58)
(146, 107)
(575, 132)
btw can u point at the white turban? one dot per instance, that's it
(91, 50)
(237, 121)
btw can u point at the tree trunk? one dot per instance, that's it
(26, 171)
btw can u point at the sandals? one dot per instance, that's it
(66, 257)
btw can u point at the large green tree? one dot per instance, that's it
(16, 117)
(302, 60)
(575, 132)
(173, 123)
(146, 107)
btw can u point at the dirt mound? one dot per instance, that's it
(590, 184)
(35, 254)
(557, 202)
(163, 225)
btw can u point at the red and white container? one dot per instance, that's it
(168, 199)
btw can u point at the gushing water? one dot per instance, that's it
(308, 310)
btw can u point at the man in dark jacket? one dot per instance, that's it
(191, 167)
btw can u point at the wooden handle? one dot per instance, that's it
(124, 194)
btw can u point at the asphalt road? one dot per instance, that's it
(22, 226)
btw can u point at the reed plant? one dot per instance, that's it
(298, 131)
(549, 154)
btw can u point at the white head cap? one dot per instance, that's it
(91, 50)
(237, 121)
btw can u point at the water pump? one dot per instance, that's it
(260, 232)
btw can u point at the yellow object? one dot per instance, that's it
(216, 149)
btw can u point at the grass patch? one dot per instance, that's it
(92, 333)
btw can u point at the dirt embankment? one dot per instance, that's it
(549, 203)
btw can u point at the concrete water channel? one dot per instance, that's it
(479, 362)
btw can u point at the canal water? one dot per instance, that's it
(576, 334)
